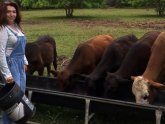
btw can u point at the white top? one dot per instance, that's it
(7, 43)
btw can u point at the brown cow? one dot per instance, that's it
(40, 54)
(86, 57)
(144, 86)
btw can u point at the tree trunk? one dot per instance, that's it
(69, 11)
(160, 8)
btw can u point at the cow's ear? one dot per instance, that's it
(156, 85)
(110, 75)
(54, 72)
(133, 77)
(124, 81)
(101, 79)
(78, 77)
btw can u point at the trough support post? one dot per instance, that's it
(30, 94)
(90, 116)
(158, 114)
(87, 105)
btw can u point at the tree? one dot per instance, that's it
(160, 7)
(69, 5)
(158, 4)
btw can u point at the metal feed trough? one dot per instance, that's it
(46, 87)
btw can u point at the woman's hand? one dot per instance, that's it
(9, 79)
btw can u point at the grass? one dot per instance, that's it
(69, 32)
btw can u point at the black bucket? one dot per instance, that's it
(15, 104)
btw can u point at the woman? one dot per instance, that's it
(13, 62)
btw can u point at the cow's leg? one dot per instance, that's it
(30, 70)
(48, 70)
(55, 63)
(41, 71)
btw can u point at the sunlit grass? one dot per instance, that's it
(111, 13)
(68, 35)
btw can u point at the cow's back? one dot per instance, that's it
(137, 58)
(113, 55)
(98, 45)
(156, 68)
(88, 54)
(45, 40)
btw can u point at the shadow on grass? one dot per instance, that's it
(146, 16)
(66, 18)
(102, 18)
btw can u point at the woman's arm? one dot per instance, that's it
(3, 63)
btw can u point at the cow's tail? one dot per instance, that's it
(55, 58)
(52, 41)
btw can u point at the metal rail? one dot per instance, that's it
(87, 103)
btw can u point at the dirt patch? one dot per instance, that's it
(147, 25)
(155, 25)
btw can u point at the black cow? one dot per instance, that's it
(111, 60)
(118, 84)
(41, 53)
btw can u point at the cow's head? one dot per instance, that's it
(63, 79)
(143, 89)
(114, 85)
(96, 86)
(78, 84)
(67, 81)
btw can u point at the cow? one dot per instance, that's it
(41, 53)
(118, 85)
(110, 62)
(86, 56)
(144, 87)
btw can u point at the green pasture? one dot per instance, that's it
(69, 32)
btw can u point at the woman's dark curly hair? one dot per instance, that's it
(3, 11)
